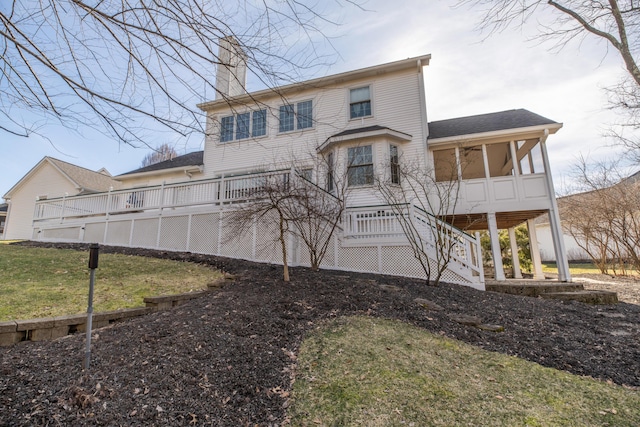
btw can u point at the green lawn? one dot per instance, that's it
(39, 282)
(373, 372)
(577, 268)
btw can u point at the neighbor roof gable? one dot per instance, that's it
(85, 180)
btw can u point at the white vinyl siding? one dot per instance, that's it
(397, 106)
(46, 181)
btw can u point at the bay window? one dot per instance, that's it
(360, 166)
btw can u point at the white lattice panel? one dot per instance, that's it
(304, 258)
(94, 232)
(71, 233)
(204, 233)
(118, 233)
(268, 247)
(173, 234)
(358, 258)
(399, 260)
(236, 243)
(329, 259)
(145, 233)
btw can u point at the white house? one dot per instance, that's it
(359, 123)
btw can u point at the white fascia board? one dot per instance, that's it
(392, 134)
(516, 134)
(258, 96)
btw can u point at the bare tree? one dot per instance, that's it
(121, 65)
(302, 208)
(613, 21)
(160, 154)
(269, 194)
(603, 216)
(421, 204)
(315, 211)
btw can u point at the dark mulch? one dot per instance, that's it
(227, 359)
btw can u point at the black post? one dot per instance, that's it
(93, 264)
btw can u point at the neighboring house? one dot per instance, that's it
(50, 178)
(3, 218)
(359, 123)
(604, 221)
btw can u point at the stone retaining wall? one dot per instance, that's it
(49, 328)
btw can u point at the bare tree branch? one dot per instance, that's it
(124, 66)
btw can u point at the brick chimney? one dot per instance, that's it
(231, 78)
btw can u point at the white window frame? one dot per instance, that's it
(234, 130)
(349, 103)
(352, 167)
(396, 164)
(296, 119)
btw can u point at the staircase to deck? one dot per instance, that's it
(444, 244)
(552, 290)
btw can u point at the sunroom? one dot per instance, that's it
(500, 164)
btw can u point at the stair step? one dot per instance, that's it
(534, 289)
(586, 296)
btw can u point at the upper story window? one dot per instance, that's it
(295, 117)
(243, 125)
(360, 102)
(360, 166)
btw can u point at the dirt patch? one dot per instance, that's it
(227, 359)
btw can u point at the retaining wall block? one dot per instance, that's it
(9, 334)
(32, 324)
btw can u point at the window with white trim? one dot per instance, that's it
(298, 116)
(360, 102)
(360, 166)
(243, 125)
(394, 164)
(330, 172)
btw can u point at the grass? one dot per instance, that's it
(574, 268)
(39, 282)
(373, 372)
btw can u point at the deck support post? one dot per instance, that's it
(535, 251)
(495, 247)
(515, 260)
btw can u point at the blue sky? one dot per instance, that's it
(467, 76)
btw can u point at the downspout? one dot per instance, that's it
(554, 217)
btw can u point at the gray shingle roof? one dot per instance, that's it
(360, 130)
(90, 181)
(511, 119)
(191, 159)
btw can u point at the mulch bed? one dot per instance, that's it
(227, 359)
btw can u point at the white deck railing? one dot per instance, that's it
(216, 191)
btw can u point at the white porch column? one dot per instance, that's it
(554, 219)
(495, 247)
(515, 259)
(535, 251)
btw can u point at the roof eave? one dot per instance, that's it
(516, 133)
(419, 61)
(389, 133)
